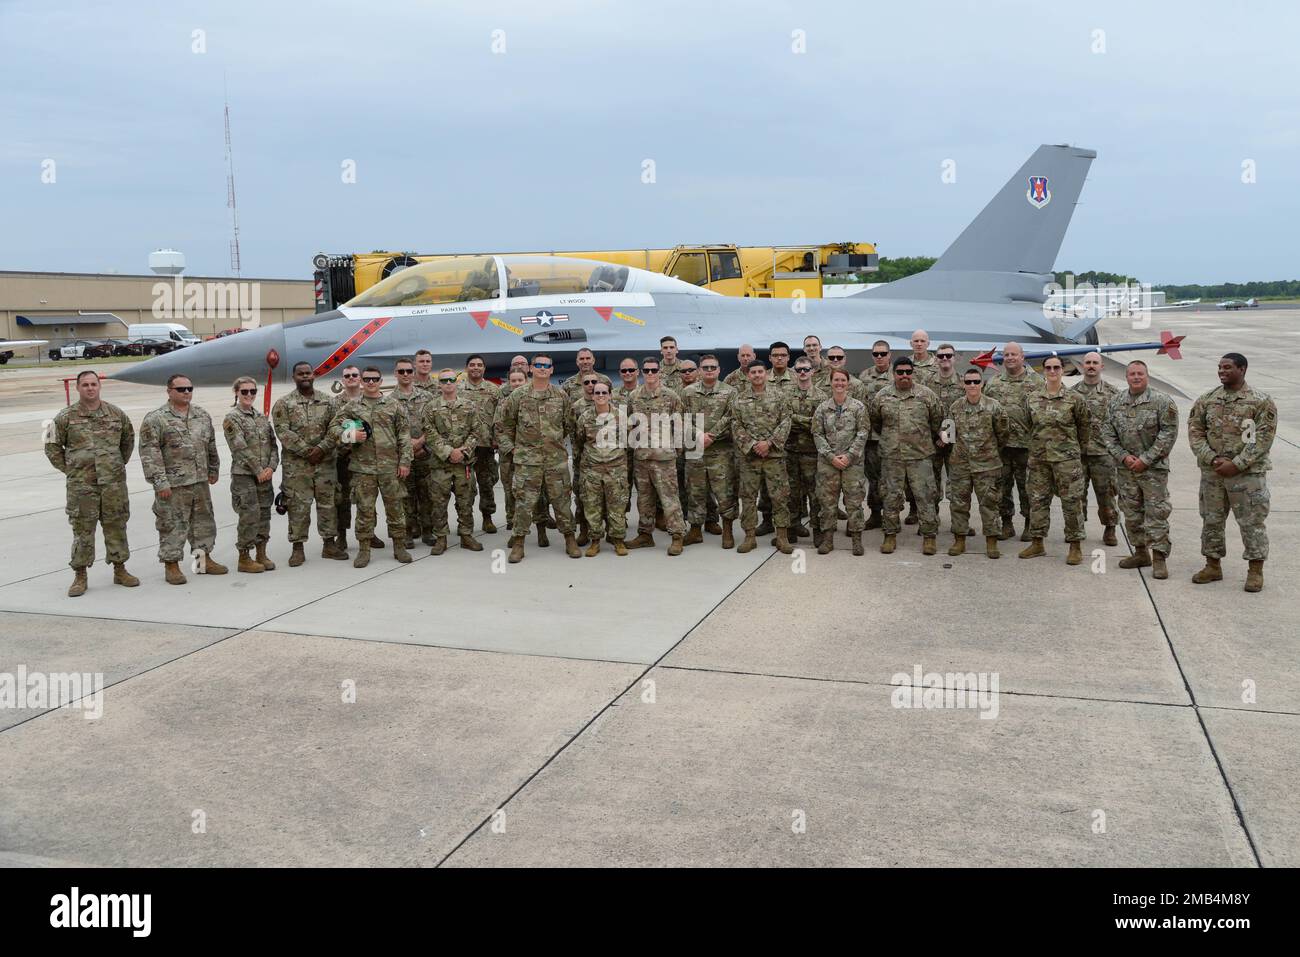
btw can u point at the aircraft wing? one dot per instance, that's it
(23, 343)
(1169, 345)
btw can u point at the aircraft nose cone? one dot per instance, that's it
(216, 362)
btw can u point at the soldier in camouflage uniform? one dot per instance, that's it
(424, 379)
(669, 374)
(873, 379)
(254, 457)
(628, 384)
(485, 395)
(302, 422)
(801, 454)
(924, 366)
(1009, 389)
(654, 458)
(945, 383)
(178, 450)
(688, 375)
(421, 518)
(350, 380)
(577, 441)
(451, 426)
(1058, 434)
(516, 380)
(760, 425)
(534, 426)
(979, 428)
(378, 463)
(909, 421)
(1098, 466)
(90, 443)
(712, 475)
(604, 474)
(1139, 431)
(1231, 430)
(738, 379)
(840, 427)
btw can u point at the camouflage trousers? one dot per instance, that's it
(421, 511)
(91, 505)
(1144, 497)
(802, 470)
(186, 515)
(443, 481)
(987, 486)
(759, 475)
(252, 501)
(486, 474)
(1247, 496)
(941, 463)
(712, 476)
(1099, 472)
(1015, 476)
(342, 495)
(897, 478)
(831, 483)
(1063, 480)
(871, 465)
(304, 483)
(508, 485)
(530, 482)
(604, 498)
(656, 487)
(366, 491)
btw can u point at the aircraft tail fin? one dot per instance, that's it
(1008, 251)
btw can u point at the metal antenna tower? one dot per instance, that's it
(230, 194)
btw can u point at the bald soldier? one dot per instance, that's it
(1010, 389)
(90, 443)
(1098, 465)
(924, 366)
(739, 378)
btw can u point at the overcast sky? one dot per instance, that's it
(460, 148)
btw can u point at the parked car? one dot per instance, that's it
(78, 349)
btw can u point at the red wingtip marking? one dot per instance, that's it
(983, 360)
(481, 318)
(604, 311)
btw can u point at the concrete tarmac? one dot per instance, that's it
(707, 709)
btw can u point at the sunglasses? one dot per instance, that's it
(248, 392)
(371, 378)
(835, 358)
(352, 375)
(590, 381)
(802, 370)
(709, 368)
(944, 355)
(627, 372)
(879, 354)
(182, 388)
(541, 365)
(406, 372)
(446, 381)
(908, 372)
(650, 371)
(973, 382)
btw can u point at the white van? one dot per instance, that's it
(162, 330)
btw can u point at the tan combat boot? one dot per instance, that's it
(439, 545)
(213, 567)
(331, 549)
(584, 535)
(912, 518)
(642, 540)
(1212, 572)
(247, 565)
(798, 530)
(1034, 550)
(713, 528)
(1158, 568)
(695, 536)
(400, 553)
(783, 541)
(889, 544)
(571, 546)
(1026, 536)
(1109, 538)
(363, 556)
(1141, 558)
(376, 541)
(470, 543)
(297, 556)
(123, 577)
(516, 549)
(261, 559)
(620, 547)
(728, 536)
(958, 546)
(1008, 531)
(174, 574)
(593, 549)
(856, 539)
(1255, 575)
(826, 545)
(542, 540)
(1076, 554)
(928, 545)
(78, 586)
(991, 546)
(676, 547)
(488, 527)
(749, 544)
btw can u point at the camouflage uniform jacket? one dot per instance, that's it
(803, 405)
(590, 425)
(1221, 423)
(981, 430)
(573, 385)
(1098, 398)
(1058, 425)
(948, 390)
(908, 422)
(924, 370)
(757, 417)
(303, 423)
(623, 393)
(451, 425)
(92, 447)
(251, 441)
(1145, 425)
(670, 376)
(1010, 393)
(715, 405)
(389, 446)
(534, 425)
(665, 402)
(841, 429)
(737, 379)
(782, 382)
(178, 449)
(486, 396)
(872, 382)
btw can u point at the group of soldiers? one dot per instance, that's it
(773, 445)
